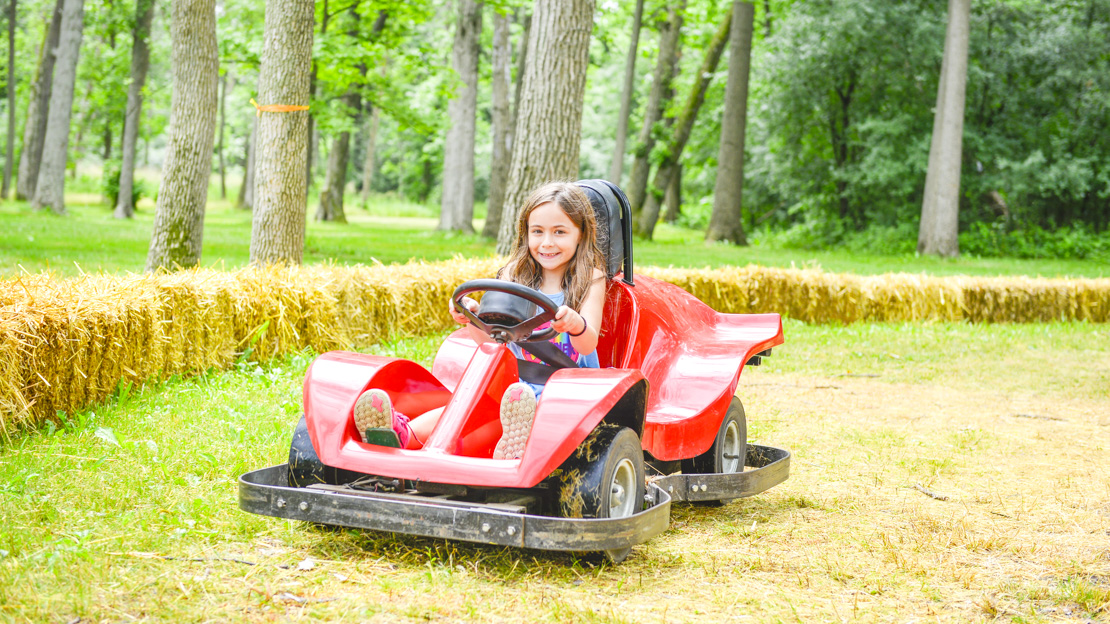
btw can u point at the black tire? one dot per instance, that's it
(305, 467)
(604, 478)
(729, 449)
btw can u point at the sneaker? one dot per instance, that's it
(518, 410)
(374, 412)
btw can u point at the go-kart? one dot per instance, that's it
(662, 402)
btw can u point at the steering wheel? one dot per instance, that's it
(509, 321)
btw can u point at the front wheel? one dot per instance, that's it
(604, 478)
(729, 449)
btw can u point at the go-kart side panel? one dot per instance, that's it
(690, 354)
(336, 379)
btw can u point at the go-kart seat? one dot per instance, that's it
(614, 237)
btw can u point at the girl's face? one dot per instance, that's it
(552, 237)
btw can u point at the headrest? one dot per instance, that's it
(606, 199)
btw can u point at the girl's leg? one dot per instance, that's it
(374, 410)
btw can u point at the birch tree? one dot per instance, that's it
(140, 64)
(179, 215)
(281, 187)
(457, 204)
(50, 185)
(940, 207)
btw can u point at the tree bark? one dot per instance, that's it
(617, 166)
(179, 216)
(371, 145)
(665, 67)
(673, 199)
(725, 222)
(246, 189)
(140, 64)
(10, 153)
(281, 190)
(940, 207)
(335, 181)
(38, 107)
(501, 128)
(683, 127)
(457, 204)
(50, 185)
(549, 123)
(226, 82)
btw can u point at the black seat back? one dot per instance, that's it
(614, 225)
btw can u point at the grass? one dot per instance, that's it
(389, 230)
(128, 511)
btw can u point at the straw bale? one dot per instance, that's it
(66, 344)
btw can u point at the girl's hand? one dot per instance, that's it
(470, 304)
(567, 321)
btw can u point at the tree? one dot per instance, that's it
(549, 123)
(374, 120)
(179, 216)
(50, 186)
(246, 189)
(38, 108)
(725, 223)
(281, 189)
(501, 117)
(941, 204)
(665, 66)
(335, 180)
(457, 204)
(496, 202)
(617, 167)
(140, 64)
(10, 151)
(664, 175)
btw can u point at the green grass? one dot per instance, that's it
(128, 510)
(395, 231)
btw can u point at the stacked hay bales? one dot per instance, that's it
(67, 344)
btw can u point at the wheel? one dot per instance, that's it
(729, 449)
(305, 467)
(604, 478)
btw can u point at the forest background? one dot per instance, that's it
(840, 112)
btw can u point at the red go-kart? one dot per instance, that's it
(662, 402)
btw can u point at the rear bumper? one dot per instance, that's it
(266, 492)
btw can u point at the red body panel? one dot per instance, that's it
(690, 355)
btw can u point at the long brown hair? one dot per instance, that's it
(522, 268)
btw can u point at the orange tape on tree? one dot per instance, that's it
(275, 108)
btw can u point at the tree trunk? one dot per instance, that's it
(725, 222)
(246, 189)
(38, 108)
(226, 82)
(521, 63)
(457, 204)
(501, 129)
(50, 186)
(767, 19)
(665, 67)
(940, 207)
(549, 124)
(335, 182)
(368, 161)
(10, 154)
(140, 63)
(281, 190)
(617, 166)
(673, 200)
(179, 216)
(683, 126)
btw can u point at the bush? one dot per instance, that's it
(1077, 242)
(109, 185)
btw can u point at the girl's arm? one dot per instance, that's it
(572, 321)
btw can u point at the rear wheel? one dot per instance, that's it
(305, 467)
(604, 478)
(729, 449)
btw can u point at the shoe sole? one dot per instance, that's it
(516, 425)
(369, 417)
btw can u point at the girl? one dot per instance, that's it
(555, 252)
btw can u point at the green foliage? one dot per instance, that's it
(1078, 242)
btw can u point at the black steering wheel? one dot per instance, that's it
(506, 320)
